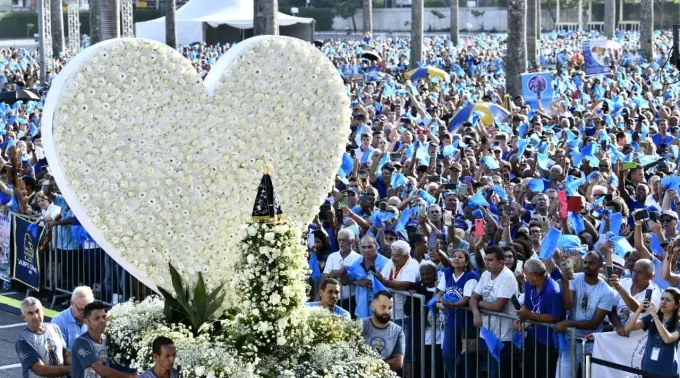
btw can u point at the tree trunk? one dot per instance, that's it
(368, 16)
(95, 22)
(109, 19)
(531, 31)
(416, 33)
(170, 29)
(266, 18)
(516, 57)
(454, 22)
(609, 18)
(57, 28)
(646, 29)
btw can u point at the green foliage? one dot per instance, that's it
(435, 4)
(477, 13)
(182, 310)
(322, 16)
(347, 8)
(437, 14)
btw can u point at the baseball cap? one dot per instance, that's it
(670, 213)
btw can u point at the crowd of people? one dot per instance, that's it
(564, 215)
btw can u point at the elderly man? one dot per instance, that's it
(71, 320)
(399, 274)
(337, 262)
(542, 303)
(631, 292)
(41, 347)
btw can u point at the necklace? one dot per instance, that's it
(585, 300)
(534, 304)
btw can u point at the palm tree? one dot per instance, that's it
(609, 18)
(646, 29)
(368, 16)
(416, 33)
(170, 30)
(265, 19)
(454, 22)
(532, 31)
(516, 56)
(57, 18)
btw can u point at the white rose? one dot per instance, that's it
(200, 370)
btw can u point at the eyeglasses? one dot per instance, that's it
(666, 220)
(78, 308)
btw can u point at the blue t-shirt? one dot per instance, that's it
(87, 352)
(667, 361)
(68, 325)
(336, 310)
(587, 300)
(658, 140)
(47, 347)
(150, 374)
(459, 318)
(547, 301)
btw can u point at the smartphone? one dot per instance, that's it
(574, 203)
(479, 227)
(562, 196)
(344, 202)
(506, 177)
(641, 214)
(610, 270)
(448, 218)
(310, 240)
(520, 266)
(604, 145)
(648, 295)
(544, 224)
(432, 241)
(434, 178)
(629, 165)
(422, 210)
(339, 216)
(564, 210)
(450, 187)
(395, 155)
(515, 302)
(462, 189)
(607, 198)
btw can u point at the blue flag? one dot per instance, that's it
(615, 223)
(517, 339)
(493, 343)
(314, 266)
(549, 243)
(536, 185)
(478, 200)
(426, 196)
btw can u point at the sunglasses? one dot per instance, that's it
(666, 220)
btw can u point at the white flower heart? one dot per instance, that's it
(185, 158)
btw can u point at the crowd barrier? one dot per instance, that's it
(67, 264)
(629, 26)
(469, 358)
(567, 26)
(595, 25)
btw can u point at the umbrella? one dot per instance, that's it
(370, 55)
(491, 113)
(11, 97)
(427, 72)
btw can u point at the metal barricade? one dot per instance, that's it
(629, 26)
(70, 264)
(470, 356)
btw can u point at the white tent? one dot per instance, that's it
(193, 19)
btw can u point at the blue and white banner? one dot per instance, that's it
(25, 246)
(628, 352)
(597, 56)
(537, 86)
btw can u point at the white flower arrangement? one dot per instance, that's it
(149, 147)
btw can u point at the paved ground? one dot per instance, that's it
(11, 325)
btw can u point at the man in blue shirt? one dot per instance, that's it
(71, 320)
(164, 353)
(329, 291)
(542, 303)
(41, 347)
(662, 137)
(90, 355)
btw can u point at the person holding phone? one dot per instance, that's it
(633, 291)
(663, 332)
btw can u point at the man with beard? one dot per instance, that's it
(382, 334)
(588, 299)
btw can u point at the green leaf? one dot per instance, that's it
(214, 306)
(178, 284)
(199, 296)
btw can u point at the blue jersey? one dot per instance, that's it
(86, 352)
(47, 347)
(456, 288)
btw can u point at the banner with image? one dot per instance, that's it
(597, 56)
(5, 273)
(537, 86)
(628, 352)
(26, 251)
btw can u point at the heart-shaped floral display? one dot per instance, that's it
(161, 167)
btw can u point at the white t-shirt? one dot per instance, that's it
(336, 262)
(468, 289)
(410, 272)
(627, 283)
(51, 212)
(504, 286)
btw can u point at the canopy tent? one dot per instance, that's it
(220, 20)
